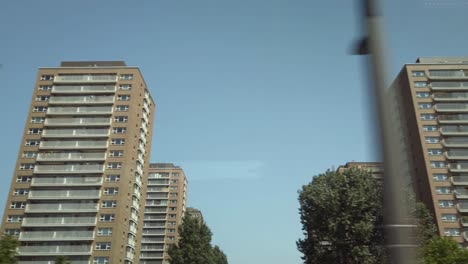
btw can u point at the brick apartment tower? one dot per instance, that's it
(78, 186)
(165, 207)
(433, 95)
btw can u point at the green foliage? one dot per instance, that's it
(194, 245)
(444, 251)
(62, 260)
(8, 247)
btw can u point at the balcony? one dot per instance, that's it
(56, 235)
(454, 130)
(452, 119)
(159, 247)
(84, 121)
(451, 107)
(63, 194)
(59, 221)
(449, 86)
(464, 221)
(61, 250)
(131, 242)
(75, 144)
(133, 229)
(154, 225)
(129, 255)
(51, 261)
(461, 193)
(158, 189)
(76, 89)
(77, 168)
(152, 255)
(155, 217)
(134, 217)
(62, 208)
(66, 181)
(448, 74)
(156, 210)
(81, 110)
(459, 180)
(108, 78)
(455, 142)
(457, 154)
(75, 133)
(450, 96)
(458, 167)
(88, 99)
(159, 239)
(71, 156)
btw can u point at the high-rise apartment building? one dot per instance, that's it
(375, 168)
(433, 96)
(165, 207)
(79, 182)
(195, 213)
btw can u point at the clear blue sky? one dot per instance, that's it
(253, 97)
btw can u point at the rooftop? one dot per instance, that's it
(443, 60)
(93, 64)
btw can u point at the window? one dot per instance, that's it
(31, 143)
(26, 166)
(171, 237)
(111, 191)
(18, 192)
(438, 164)
(175, 174)
(101, 260)
(21, 179)
(428, 117)
(112, 178)
(40, 109)
(418, 73)
(116, 153)
(119, 130)
(422, 94)
(439, 177)
(36, 120)
(109, 204)
(173, 201)
(42, 98)
(14, 218)
(123, 97)
(121, 108)
(449, 218)
(44, 87)
(173, 208)
(432, 140)
(446, 203)
(172, 223)
(125, 87)
(103, 245)
(174, 181)
(47, 78)
(452, 232)
(120, 119)
(420, 84)
(126, 77)
(29, 154)
(172, 216)
(173, 194)
(429, 128)
(435, 152)
(173, 188)
(114, 165)
(17, 205)
(118, 141)
(171, 230)
(425, 105)
(104, 232)
(443, 190)
(34, 131)
(107, 218)
(12, 232)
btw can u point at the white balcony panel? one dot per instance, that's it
(84, 121)
(95, 78)
(77, 168)
(449, 86)
(458, 167)
(76, 89)
(56, 235)
(71, 156)
(66, 181)
(63, 194)
(62, 250)
(61, 208)
(74, 144)
(88, 99)
(451, 107)
(455, 142)
(459, 180)
(454, 130)
(59, 221)
(81, 110)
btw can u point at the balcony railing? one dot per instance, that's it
(457, 154)
(153, 239)
(459, 180)
(461, 193)
(462, 207)
(449, 86)
(78, 168)
(54, 250)
(159, 247)
(156, 210)
(75, 144)
(69, 89)
(458, 167)
(59, 221)
(453, 119)
(154, 255)
(66, 181)
(84, 121)
(451, 107)
(64, 194)
(85, 78)
(159, 224)
(75, 133)
(450, 96)
(51, 261)
(56, 235)
(447, 74)
(464, 221)
(90, 99)
(71, 156)
(456, 142)
(454, 130)
(62, 207)
(155, 217)
(82, 110)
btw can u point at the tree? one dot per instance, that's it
(444, 251)
(340, 214)
(62, 260)
(194, 245)
(8, 250)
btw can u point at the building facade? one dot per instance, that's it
(195, 213)
(78, 185)
(165, 207)
(432, 95)
(376, 168)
